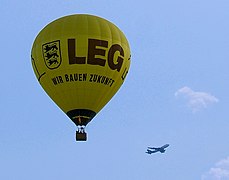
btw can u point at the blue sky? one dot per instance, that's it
(176, 92)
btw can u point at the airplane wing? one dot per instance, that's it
(165, 146)
(152, 148)
(150, 152)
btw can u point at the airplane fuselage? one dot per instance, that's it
(161, 149)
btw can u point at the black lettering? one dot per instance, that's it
(71, 78)
(106, 81)
(57, 80)
(91, 77)
(99, 78)
(94, 50)
(54, 81)
(114, 48)
(95, 77)
(66, 78)
(97, 50)
(112, 82)
(84, 77)
(75, 77)
(80, 77)
(109, 81)
(103, 79)
(72, 53)
(124, 74)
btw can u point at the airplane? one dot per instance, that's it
(161, 149)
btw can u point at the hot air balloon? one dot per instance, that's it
(80, 61)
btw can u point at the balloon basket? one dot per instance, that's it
(81, 136)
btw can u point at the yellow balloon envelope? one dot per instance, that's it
(81, 61)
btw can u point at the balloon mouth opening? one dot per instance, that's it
(81, 117)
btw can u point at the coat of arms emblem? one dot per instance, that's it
(52, 54)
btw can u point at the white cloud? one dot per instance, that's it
(196, 100)
(219, 172)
